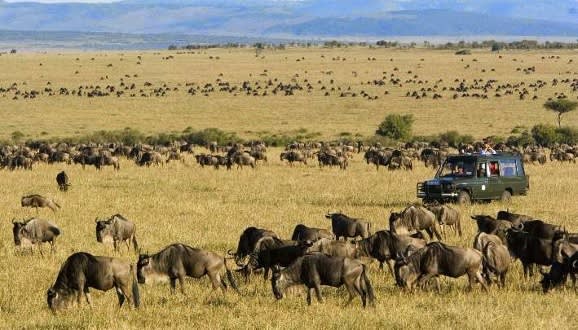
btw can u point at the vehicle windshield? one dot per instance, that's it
(457, 167)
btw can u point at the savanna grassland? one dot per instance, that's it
(209, 208)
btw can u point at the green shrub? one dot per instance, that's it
(396, 127)
(544, 135)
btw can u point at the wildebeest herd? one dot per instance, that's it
(338, 154)
(315, 257)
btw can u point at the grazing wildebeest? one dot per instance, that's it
(62, 181)
(34, 231)
(176, 261)
(242, 159)
(344, 226)
(414, 218)
(436, 259)
(248, 241)
(82, 271)
(115, 230)
(559, 273)
(319, 269)
(529, 249)
(304, 233)
(37, 201)
(447, 216)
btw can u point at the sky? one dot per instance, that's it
(57, 1)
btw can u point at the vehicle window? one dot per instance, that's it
(520, 168)
(494, 168)
(458, 168)
(482, 170)
(508, 167)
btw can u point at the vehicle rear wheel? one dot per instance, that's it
(464, 198)
(506, 196)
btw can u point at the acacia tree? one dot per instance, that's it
(561, 107)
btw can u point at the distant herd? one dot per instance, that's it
(314, 256)
(326, 154)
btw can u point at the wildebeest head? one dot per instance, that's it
(17, 231)
(143, 267)
(104, 229)
(404, 273)
(557, 276)
(278, 283)
(393, 218)
(59, 299)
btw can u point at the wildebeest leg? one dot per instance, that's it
(182, 283)
(503, 280)
(359, 288)
(390, 266)
(87, 296)
(217, 282)
(173, 282)
(121, 296)
(309, 296)
(317, 288)
(422, 279)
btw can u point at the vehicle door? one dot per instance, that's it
(479, 184)
(495, 185)
(509, 176)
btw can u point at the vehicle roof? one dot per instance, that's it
(477, 155)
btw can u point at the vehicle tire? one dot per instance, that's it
(464, 198)
(506, 196)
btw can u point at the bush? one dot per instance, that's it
(544, 135)
(568, 135)
(211, 134)
(454, 139)
(396, 127)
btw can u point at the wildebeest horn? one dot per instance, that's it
(13, 220)
(543, 272)
(231, 253)
(521, 226)
(96, 220)
(574, 266)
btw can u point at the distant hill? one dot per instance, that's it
(300, 18)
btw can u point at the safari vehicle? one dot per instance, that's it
(472, 177)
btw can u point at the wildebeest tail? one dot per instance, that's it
(134, 243)
(55, 230)
(135, 291)
(366, 285)
(58, 206)
(230, 277)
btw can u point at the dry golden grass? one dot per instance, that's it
(209, 209)
(248, 115)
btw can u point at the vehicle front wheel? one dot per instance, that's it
(506, 196)
(464, 198)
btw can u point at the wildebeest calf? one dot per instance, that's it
(116, 229)
(82, 271)
(37, 201)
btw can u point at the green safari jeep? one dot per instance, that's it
(469, 177)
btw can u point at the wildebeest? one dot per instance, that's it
(496, 262)
(515, 219)
(447, 216)
(293, 156)
(82, 271)
(319, 269)
(559, 273)
(304, 233)
(34, 231)
(282, 254)
(529, 249)
(37, 201)
(62, 181)
(436, 259)
(115, 230)
(336, 248)
(487, 224)
(414, 218)
(176, 261)
(247, 242)
(344, 226)
(541, 229)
